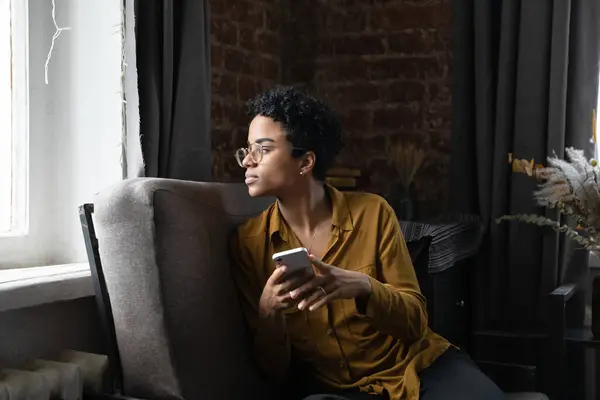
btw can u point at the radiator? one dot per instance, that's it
(65, 378)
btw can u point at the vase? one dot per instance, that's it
(402, 200)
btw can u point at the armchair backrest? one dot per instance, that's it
(164, 250)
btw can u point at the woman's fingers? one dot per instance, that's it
(324, 300)
(292, 281)
(276, 276)
(310, 299)
(307, 288)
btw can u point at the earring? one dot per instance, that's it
(301, 173)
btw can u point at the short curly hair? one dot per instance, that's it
(308, 122)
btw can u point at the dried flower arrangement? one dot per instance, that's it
(570, 186)
(407, 159)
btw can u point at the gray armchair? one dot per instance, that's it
(160, 267)
(164, 289)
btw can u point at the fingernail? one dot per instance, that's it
(301, 305)
(293, 294)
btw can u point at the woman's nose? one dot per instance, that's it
(248, 161)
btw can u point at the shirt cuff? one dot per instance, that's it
(376, 298)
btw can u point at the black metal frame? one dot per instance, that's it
(557, 307)
(568, 339)
(102, 297)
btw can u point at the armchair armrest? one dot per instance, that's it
(557, 327)
(564, 292)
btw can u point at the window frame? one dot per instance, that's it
(19, 213)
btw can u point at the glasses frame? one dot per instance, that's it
(243, 152)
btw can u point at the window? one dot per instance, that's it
(13, 118)
(59, 145)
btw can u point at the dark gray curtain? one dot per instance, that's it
(173, 65)
(525, 82)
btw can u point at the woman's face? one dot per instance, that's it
(277, 172)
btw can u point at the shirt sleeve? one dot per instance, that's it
(272, 354)
(395, 305)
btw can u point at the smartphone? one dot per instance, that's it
(295, 259)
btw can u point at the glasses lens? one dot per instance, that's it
(240, 154)
(256, 152)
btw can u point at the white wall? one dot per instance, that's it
(47, 330)
(75, 126)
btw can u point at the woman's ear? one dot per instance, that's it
(308, 162)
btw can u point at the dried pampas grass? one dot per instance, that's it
(407, 159)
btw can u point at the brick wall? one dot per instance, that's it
(382, 64)
(246, 60)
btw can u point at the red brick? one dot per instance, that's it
(234, 115)
(357, 93)
(325, 46)
(440, 93)
(346, 21)
(234, 60)
(222, 138)
(340, 69)
(302, 48)
(246, 38)
(369, 146)
(250, 65)
(217, 56)
(272, 20)
(396, 118)
(358, 45)
(440, 140)
(381, 169)
(269, 69)
(302, 71)
(439, 116)
(246, 12)
(224, 85)
(419, 41)
(217, 7)
(405, 68)
(216, 112)
(237, 9)
(247, 88)
(411, 16)
(267, 42)
(405, 91)
(357, 121)
(224, 31)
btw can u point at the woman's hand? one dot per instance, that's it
(330, 283)
(276, 293)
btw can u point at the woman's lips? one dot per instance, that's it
(251, 179)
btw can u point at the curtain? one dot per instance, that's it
(525, 82)
(173, 66)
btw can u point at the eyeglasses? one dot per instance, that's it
(256, 152)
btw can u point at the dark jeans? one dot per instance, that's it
(452, 376)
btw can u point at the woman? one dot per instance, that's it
(359, 325)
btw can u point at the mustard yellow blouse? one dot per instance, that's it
(382, 349)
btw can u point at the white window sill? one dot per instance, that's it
(27, 287)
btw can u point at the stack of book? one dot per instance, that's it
(343, 178)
